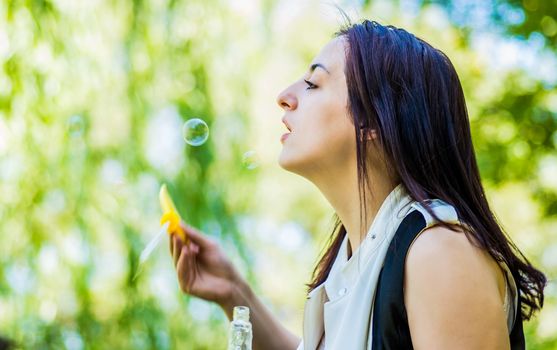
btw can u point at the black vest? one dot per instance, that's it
(390, 322)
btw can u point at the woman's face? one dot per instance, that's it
(322, 134)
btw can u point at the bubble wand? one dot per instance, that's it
(170, 214)
(170, 223)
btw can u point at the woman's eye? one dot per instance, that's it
(310, 85)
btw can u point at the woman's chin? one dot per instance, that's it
(292, 164)
(286, 162)
(283, 161)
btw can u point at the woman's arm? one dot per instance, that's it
(453, 294)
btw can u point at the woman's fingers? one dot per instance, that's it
(171, 244)
(177, 248)
(184, 255)
(181, 270)
(196, 236)
(186, 267)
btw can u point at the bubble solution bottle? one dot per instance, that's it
(240, 334)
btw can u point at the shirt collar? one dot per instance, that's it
(389, 212)
(344, 271)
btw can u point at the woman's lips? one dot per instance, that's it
(283, 137)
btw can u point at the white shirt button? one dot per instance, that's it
(342, 292)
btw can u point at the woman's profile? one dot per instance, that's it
(378, 123)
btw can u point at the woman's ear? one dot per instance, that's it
(369, 134)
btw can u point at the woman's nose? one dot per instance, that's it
(287, 101)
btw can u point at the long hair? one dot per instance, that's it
(410, 93)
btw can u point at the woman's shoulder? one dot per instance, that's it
(455, 286)
(452, 246)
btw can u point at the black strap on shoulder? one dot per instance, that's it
(390, 322)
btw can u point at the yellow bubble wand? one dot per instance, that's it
(170, 214)
(170, 224)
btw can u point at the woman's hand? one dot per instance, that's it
(202, 268)
(205, 272)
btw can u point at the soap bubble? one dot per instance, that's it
(195, 132)
(250, 160)
(76, 125)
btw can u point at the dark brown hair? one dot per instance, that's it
(410, 93)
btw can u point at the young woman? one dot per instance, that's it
(417, 259)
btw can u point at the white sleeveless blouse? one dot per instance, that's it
(340, 308)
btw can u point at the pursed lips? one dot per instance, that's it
(286, 124)
(285, 136)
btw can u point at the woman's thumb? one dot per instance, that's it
(196, 236)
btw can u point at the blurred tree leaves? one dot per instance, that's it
(93, 98)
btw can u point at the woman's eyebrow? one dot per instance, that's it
(315, 65)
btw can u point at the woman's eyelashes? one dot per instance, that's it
(310, 85)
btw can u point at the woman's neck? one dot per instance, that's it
(342, 193)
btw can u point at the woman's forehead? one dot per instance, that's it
(332, 55)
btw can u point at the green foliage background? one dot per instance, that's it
(93, 95)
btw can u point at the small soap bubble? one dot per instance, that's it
(195, 132)
(250, 160)
(76, 125)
